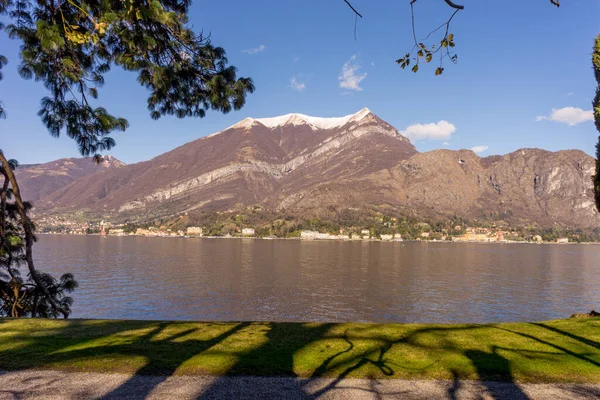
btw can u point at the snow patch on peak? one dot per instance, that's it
(246, 123)
(297, 119)
(361, 114)
(314, 122)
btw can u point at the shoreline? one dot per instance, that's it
(322, 240)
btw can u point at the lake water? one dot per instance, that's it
(291, 280)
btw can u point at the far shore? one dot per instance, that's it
(320, 240)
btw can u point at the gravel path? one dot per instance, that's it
(78, 385)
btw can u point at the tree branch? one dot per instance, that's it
(457, 6)
(353, 9)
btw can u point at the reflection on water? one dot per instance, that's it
(290, 280)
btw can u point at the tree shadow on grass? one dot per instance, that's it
(495, 374)
(178, 352)
(284, 343)
(275, 357)
(493, 370)
(159, 349)
(562, 349)
(581, 339)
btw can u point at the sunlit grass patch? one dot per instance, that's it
(553, 351)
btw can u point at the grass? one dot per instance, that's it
(554, 351)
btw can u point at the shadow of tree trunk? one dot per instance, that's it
(495, 374)
(456, 385)
(284, 340)
(139, 386)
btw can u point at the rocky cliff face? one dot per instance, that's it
(305, 164)
(528, 184)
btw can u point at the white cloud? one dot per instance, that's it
(255, 50)
(570, 93)
(568, 115)
(479, 149)
(445, 144)
(440, 131)
(297, 86)
(349, 77)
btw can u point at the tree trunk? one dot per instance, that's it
(3, 241)
(28, 229)
(596, 109)
(3, 211)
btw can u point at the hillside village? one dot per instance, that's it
(386, 229)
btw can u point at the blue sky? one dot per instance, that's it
(518, 60)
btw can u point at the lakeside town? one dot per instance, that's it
(427, 232)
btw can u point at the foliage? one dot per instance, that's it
(129, 228)
(71, 45)
(423, 53)
(24, 298)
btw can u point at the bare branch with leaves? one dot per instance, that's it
(422, 52)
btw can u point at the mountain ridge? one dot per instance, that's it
(40, 180)
(307, 164)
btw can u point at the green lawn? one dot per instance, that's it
(554, 351)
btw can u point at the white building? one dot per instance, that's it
(248, 232)
(314, 235)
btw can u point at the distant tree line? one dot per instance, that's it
(352, 221)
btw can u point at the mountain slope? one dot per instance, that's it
(212, 171)
(40, 180)
(307, 164)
